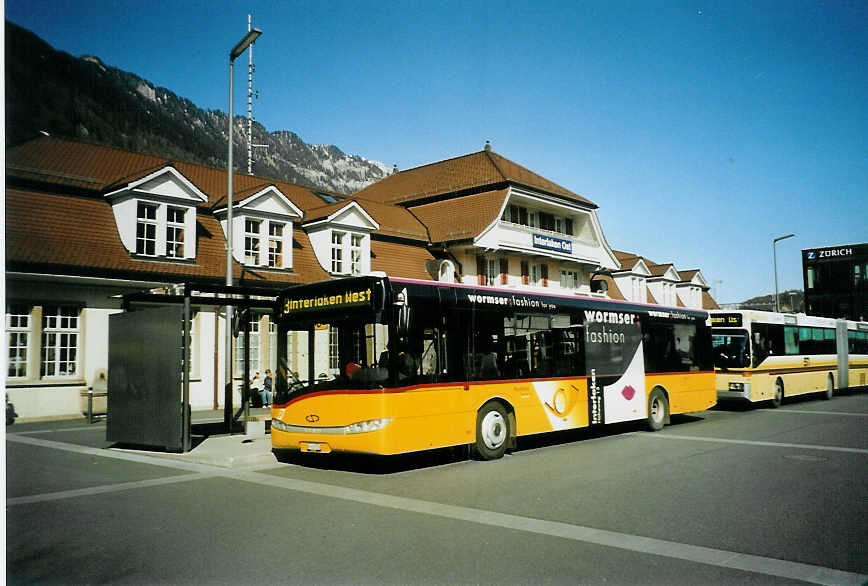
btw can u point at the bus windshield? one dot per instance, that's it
(731, 348)
(345, 354)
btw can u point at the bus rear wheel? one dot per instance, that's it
(830, 387)
(492, 431)
(658, 410)
(779, 394)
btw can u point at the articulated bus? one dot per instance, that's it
(766, 356)
(387, 366)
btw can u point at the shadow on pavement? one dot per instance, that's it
(373, 464)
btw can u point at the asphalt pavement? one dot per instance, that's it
(731, 495)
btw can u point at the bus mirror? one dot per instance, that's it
(238, 322)
(403, 312)
(599, 286)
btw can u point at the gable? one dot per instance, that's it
(349, 215)
(270, 201)
(166, 183)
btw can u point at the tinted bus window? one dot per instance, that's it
(672, 347)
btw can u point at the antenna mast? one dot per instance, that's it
(250, 69)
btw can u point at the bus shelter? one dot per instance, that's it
(149, 361)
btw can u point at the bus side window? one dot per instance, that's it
(430, 365)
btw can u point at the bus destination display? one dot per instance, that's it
(327, 302)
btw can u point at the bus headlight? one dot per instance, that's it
(360, 427)
(738, 387)
(370, 425)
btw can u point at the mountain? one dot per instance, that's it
(790, 301)
(85, 99)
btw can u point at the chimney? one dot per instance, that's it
(394, 168)
(488, 145)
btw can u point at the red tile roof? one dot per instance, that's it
(65, 233)
(484, 169)
(400, 260)
(462, 217)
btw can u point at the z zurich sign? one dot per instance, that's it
(828, 253)
(552, 243)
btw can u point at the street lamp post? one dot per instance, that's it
(775, 255)
(237, 50)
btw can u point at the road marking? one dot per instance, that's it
(636, 543)
(66, 494)
(43, 431)
(750, 442)
(816, 412)
(117, 455)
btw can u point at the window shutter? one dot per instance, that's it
(544, 273)
(504, 271)
(480, 270)
(525, 273)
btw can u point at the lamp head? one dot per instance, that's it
(242, 45)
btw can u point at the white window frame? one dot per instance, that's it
(61, 326)
(570, 279)
(334, 350)
(337, 249)
(356, 248)
(492, 271)
(174, 246)
(148, 224)
(254, 349)
(275, 245)
(536, 274)
(253, 241)
(18, 329)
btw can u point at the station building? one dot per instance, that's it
(86, 224)
(836, 281)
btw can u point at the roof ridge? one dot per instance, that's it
(455, 158)
(496, 166)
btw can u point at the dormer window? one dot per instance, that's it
(262, 228)
(341, 239)
(156, 215)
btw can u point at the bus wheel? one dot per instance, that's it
(492, 431)
(779, 394)
(830, 387)
(658, 410)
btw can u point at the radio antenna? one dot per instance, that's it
(250, 69)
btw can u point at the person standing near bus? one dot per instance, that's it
(266, 388)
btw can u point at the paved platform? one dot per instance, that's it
(224, 451)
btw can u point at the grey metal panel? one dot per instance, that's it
(843, 354)
(144, 378)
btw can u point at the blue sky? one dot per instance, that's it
(702, 129)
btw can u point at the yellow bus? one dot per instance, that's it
(387, 366)
(766, 356)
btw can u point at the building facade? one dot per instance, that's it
(86, 224)
(836, 281)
